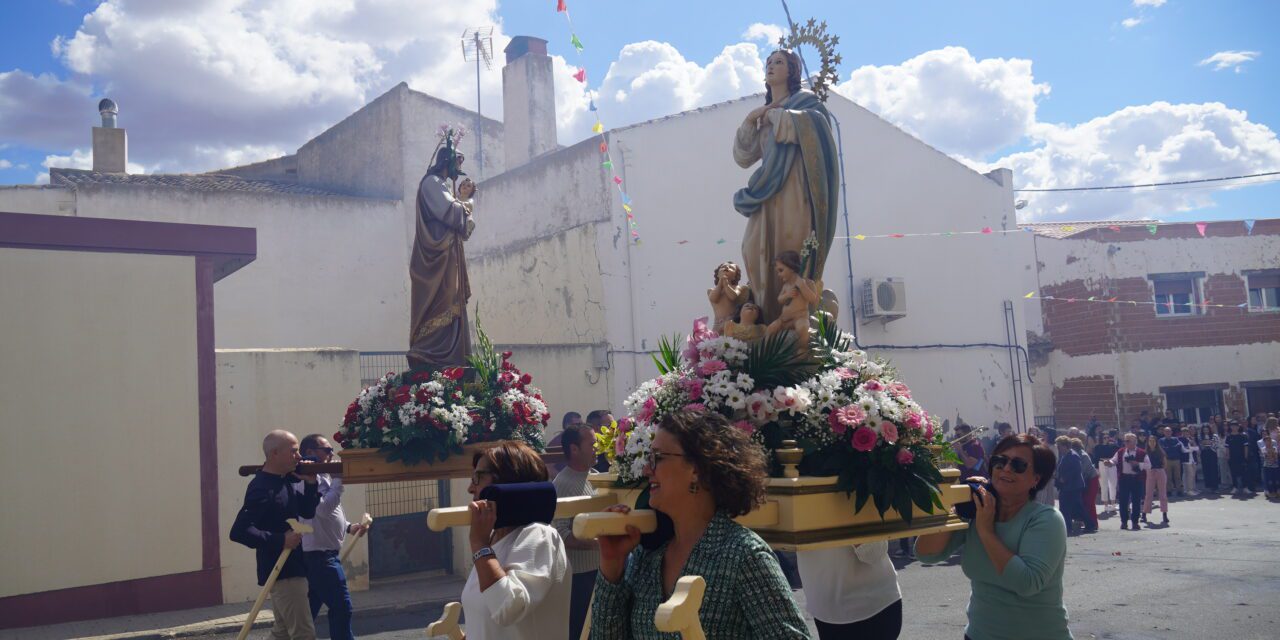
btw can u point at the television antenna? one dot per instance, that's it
(477, 46)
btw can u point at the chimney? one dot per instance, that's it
(110, 147)
(528, 101)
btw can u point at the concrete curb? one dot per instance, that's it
(224, 626)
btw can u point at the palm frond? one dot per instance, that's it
(484, 358)
(826, 339)
(773, 361)
(668, 357)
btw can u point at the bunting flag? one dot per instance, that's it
(606, 162)
(1116, 300)
(1151, 228)
(1248, 225)
(986, 230)
(1200, 226)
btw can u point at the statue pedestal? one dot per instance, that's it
(806, 513)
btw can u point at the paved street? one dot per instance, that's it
(1214, 573)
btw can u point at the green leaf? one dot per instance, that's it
(902, 504)
(863, 487)
(773, 361)
(668, 357)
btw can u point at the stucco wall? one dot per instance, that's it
(89, 482)
(681, 176)
(44, 200)
(359, 156)
(303, 391)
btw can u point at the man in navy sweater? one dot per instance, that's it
(271, 499)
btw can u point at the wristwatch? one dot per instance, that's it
(483, 553)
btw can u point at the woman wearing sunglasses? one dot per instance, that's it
(1013, 551)
(702, 472)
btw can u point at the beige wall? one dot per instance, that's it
(301, 390)
(99, 415)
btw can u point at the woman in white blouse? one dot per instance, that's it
(520, 579)
(852, 592)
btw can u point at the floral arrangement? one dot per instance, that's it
(849, 414)
(418, 416)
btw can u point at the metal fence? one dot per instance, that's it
(375, 364)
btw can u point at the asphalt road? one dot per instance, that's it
(1214, 573)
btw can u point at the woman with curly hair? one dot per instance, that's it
(702, 472)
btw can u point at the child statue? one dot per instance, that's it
(748, 326)
(797, 296)
(727, 295)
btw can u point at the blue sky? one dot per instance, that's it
(1084, 97)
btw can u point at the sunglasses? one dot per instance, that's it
(1017, 464)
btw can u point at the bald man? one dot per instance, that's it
(271, 499)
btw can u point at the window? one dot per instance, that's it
(1176, 294)
(1194, 405)
(1264, 291)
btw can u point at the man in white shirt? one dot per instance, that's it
(578, 441)
(1131, 468)
(852, 591)
(325, 578)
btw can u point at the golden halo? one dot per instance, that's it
(814, 34)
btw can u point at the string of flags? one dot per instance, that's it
(1152, 228)
(606, 163)
(1116, 300)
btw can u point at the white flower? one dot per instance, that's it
(793, 400)
(735, 400)
(760, 409)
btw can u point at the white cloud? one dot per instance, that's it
(652, 79)
(79, 158)
(1130, 23)
(1229, 59)
(1158, 142)
(5, 164)
(202, 83)
(766, 34)
(1149, 3)
(951, 100)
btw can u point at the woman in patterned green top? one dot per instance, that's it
(702, 472)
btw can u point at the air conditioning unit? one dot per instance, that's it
(884, 299)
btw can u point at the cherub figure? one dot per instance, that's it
(748, 326)
(798, 294)
(727, 295)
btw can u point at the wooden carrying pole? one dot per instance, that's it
(589, 526)
(365, 521)
(447, 625)
(445, 517)
(297, 527)
(679, 614)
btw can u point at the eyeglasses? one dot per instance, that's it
(655, 457)
(478, 474)
(1017, 464)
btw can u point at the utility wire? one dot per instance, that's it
(1153, 184)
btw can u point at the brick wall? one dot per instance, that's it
(1084, 328)
(1079, 398)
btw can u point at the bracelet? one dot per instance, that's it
(483, 553)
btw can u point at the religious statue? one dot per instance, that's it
(439, 334)
(748, 324)
(727, 295)
(790, 200)
(798, 295)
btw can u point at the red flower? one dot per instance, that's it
(421, 376)
(506, 355)
(401, 395)
(452, 373)
(526, 379)
(382, 422)
(864, 439)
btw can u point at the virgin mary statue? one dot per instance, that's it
(790, 199)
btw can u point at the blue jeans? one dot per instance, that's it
(328, 587)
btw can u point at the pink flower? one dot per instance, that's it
(694, 387)
(864, 439)
(928, 425)
(745, 426)
(846, 418)
(710, 367)
(905, 457)
(899, 389)
(873, 385)
(646, 412)
(890, 432)
(620, 444)
(913, 420)
(695, 406)
(845, 373)
(700, 332)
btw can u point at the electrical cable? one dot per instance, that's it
(1152, 184)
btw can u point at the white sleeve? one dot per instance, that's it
(535, 564)
(871, 551)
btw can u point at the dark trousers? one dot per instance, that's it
(1238, 476)
(328, 586)
(1130, 490)
(787, 561)
(1071, 504)
(1271, 475)
(584, 585)
(1209, 464)
(885, 625)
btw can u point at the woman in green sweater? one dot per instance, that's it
(1014, 549)
(702, 472)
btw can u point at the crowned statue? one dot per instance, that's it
(439, 335)
(790, 199)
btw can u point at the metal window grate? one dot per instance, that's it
(375, 364)
(386, 499)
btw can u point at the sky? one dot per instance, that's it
(1066, 94)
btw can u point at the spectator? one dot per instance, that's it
(1254, 464)
(969, 451)
(1157, 481)
(1003, 430)
(853, 592)
(1070, 482)
(1172, 448)
(1102, 454)
(1269, 447)
(1169, 420)
(1137, 429)
(1132, 464)
(1093, 431)
(326, 579)
(1210, 446)
(1238, 458)
(1048, 495)
(596, 419)
(1089, 506)
(584, 555)
(570, 418)
(1013, 551)
(1190, 448)
(1147, 423)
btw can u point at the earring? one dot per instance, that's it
(693, 487)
